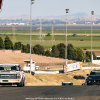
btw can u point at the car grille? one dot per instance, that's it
(8, 76)
(94, 82)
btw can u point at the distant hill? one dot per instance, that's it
(70, 16)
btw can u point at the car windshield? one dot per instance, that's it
(9, 68)
(95, 73)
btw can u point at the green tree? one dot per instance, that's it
(71, 52)
(32, 51)
(62, 53)
(24, 49)
(88, 55)
(17, 46)
(87, 58)
(55, 51)
(94, 56)
(74, 57)
(8, 43)
(38, 49)
(80, 54)
(1, 43)
(28, 47)
(60, 46)
(48, 53)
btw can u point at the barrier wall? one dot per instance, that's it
(96, 62)
(73, 66)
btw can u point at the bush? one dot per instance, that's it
(32, 73)
(48, 53)
(17, 46)
(84, 49)
(38, 49)
(24, 49)
(48, 34)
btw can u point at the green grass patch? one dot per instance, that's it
(73, 31)
(80, 41)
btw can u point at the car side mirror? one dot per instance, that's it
(87, 74)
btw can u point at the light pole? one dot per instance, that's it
(67, 11)
(92, 13)
(32, 2)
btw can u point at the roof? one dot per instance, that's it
(28, 61)
(9, 65)
(95, 71)
(98, 56)
(67, 82)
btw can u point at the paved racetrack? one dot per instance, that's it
(50, 93)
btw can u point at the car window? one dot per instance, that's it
(15, 68)
(1, 68)
(95, 73)
(92, 73)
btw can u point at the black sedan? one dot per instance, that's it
(93, 78)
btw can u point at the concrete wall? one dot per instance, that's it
(96, 62)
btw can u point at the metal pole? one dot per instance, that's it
(30, 32)
(40, 30)
(66, 43)
(92, 13)
(91, 40)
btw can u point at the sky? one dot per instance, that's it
(49, 7)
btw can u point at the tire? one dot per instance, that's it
(21, 84)
(24, 82)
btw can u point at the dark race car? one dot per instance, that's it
(93, 78)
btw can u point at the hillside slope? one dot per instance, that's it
(55, 79)
(15, 56)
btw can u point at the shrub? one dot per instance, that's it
(38, 49)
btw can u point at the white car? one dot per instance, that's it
(66, 83)
(11, 74)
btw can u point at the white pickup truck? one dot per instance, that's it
(11, 74)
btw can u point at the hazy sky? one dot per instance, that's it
(48, 7)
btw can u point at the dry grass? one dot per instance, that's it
(55, 79)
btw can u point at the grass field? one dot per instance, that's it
(57, 31)
(83, 40)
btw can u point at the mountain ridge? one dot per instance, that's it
(70, 16)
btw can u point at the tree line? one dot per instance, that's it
(56, 50)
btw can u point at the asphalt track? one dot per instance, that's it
(50, 93)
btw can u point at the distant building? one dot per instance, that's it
(74, 23)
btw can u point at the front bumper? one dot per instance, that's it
(93, 82)
(10, 81)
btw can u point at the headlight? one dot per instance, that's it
(18, 75)
(90, 77)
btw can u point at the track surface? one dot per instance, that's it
(50, 93)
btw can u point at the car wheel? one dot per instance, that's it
(24, 82)
(21, 83)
